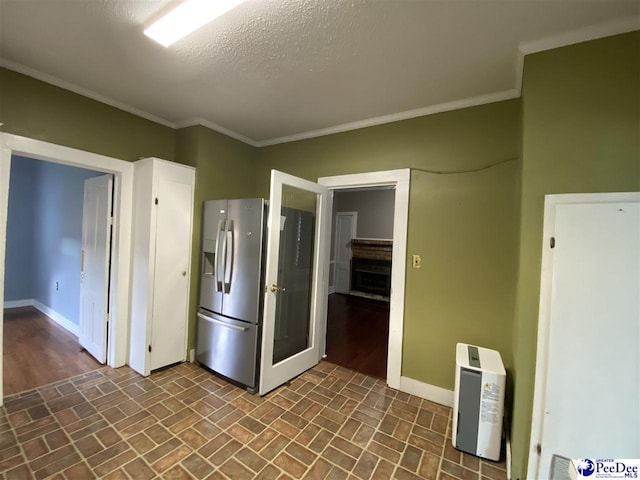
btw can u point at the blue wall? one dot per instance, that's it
(20, 249)
(53, 218)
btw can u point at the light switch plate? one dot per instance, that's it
(417, 261)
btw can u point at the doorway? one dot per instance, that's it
(122, 171)
(44, 284)
(358, 311)
(399, 181)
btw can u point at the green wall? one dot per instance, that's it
(581, 133)
(38, 110)
(464, 225)
(224, 169)
(479, 234)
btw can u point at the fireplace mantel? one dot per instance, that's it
(374, 249)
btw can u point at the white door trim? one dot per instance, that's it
(400, 179)
(123, 202)
(544, 315)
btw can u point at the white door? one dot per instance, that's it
(295, 279)
(94, 275)
(590, 388)
(346, 227)
(171, 273)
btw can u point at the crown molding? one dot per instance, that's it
(395, 117)
(46, 78)
(593, 32)
(524, 48)
(218, 128)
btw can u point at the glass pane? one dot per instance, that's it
(295, 264)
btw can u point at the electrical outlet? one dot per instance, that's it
(417, 261)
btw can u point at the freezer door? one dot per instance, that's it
(214, 216)
(242, 282)
(228, 347)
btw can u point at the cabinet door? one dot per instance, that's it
(171, 273)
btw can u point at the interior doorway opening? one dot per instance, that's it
(45, 280)
(119, 276)
(399, 181)
(360, 279)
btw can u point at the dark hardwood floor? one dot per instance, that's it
(38, 351)
(357, 334)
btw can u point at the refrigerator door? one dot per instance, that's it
(214, 221)
(242, 280)
(228, 347)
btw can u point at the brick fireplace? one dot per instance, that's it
(371, 266)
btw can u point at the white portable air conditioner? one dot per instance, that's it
(479, 401)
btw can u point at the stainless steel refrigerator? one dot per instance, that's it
(232, 286)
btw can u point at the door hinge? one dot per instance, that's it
(149, 348)
(156, 202)
(552, 242)
(539, 449)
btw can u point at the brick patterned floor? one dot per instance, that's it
(184, 422)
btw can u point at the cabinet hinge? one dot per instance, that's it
(149, 348)
(539, 449)
(552, 242)
(156, 200)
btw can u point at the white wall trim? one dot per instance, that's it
(50, 79)
(60, 319)
(593, 32)
(192, 122)
(5, 168)
(123, 202)
(551, 202)
(429, 392)
(27, 302)
(396, 117)
(555, 41)
(401, 180)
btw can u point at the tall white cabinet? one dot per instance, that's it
(162, 235)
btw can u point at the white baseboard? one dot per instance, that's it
(332, 289)
(64, 322)
(426, 391)
(27, 302)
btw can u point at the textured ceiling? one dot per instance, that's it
(272, 70)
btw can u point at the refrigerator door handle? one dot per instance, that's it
(220, 322)
(228, 269)
(219, 272)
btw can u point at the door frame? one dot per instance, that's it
(544, 314)
(123, 210)
(400, 179)
(354, 232)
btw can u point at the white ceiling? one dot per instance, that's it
(277, 70)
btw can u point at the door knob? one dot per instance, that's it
(275, 288)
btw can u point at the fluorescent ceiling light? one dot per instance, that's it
(187, 17)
